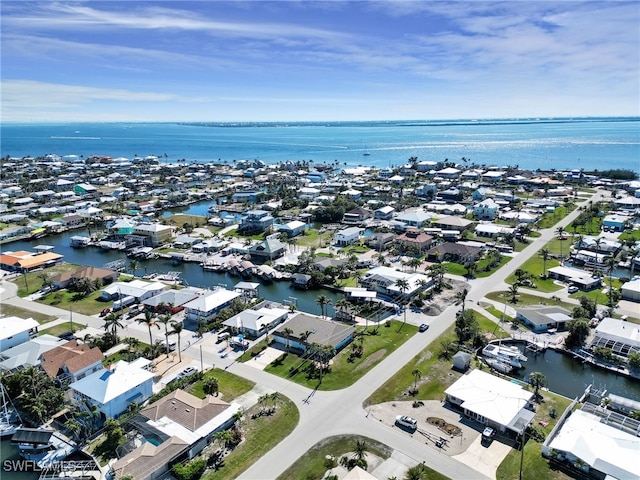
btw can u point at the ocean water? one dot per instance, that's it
(585, 143)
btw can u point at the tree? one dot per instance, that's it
(210, 386)
(437, 272)
(112, 322)
(323, 301)
(416, 472)
(466, 325)
(461, 297)
(164, 319)
(360, 451)
(578, 332)
(177, 328)
(537, 380)
(416, 376)
(133, 266)
(513, 291)
(403, 287)
(287, 333)
(544, 253)
(149, 321)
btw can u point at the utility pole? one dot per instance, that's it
(201, 363)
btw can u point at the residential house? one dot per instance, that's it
(269, 249)
(153, 234)
(172, 301)
(102, 275)
(615, 223)
(114, 389)
(492, 230)
(348, 236)
(541, 318)
(384, 213)
(454, 252)
(379, 241)
(71, 361)
(23, 261)
(308, 329)
(206, 306)
(356, 215)
(255, 221)
(413, 218)
(487, 209)
(84, 189)
(492, 401)
(15, 331)
(292, 228)
(426, 190)
(384, 281)
(414, 239)
(28, 354)
(138, 289)
(451, 195)
(301, 280)
(620, 336)
(451, 223)
(254, 321)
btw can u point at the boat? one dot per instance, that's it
(498, 364)
(10, 420)
(43, 446)
(509, 354)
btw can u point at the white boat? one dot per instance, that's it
(10, 421)
(509, 354)
(42, 446)
(498, 364)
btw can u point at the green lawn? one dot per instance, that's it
(344, 372)
(498, 313)
(635, 234)
(525, 299)
(548, 220)
(455, 268)
(480, 273)
(534, 466)
(180, 219)
(312, 238)
(11, 311)
(33, 280)
(260, 435)
(66, 300)
(230, 386)
(62, 328)
(312, 463)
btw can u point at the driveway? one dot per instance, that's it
(485, 460)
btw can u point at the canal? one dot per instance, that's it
(192, 273)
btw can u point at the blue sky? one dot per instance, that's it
(317, 61)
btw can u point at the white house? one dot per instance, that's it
(253, 321)
(112, 390)
(631, 290)
(347, 236)
(138, 289)
(15, 331)
(486, 209)
(492, 401)
(621, 337)
(384, 280)
(206, 306)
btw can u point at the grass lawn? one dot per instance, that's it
(180, 219)
(534, 466)
(260, 435)
(548, 220)
(33, 280)
(344, 372)
(11, 311)
(525, 299)
(455, 268)
(635, 234)
(65, 300)
(437, 374)
(498, 313)
(312, 463)
(313, 238)
(230, 386)
(62, 328)
(479, 273)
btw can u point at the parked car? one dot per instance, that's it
(407, 422)
(424, 327)
(487, 436)
(573, 289)
(105, 311)
(186, 372)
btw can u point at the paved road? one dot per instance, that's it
(325, 414)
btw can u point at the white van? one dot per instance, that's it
(222, 337)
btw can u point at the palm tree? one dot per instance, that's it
(112, 322)
(323, 301)
(177, 328)
(224, 437)
(537, 380)
(133, 266)
(415, 473)
(287, 333)
(461, 297)
(544, 253)
(360, 450)
(560, 234)
(265, 328)
(403, 286)
(164, 319)
(513, 291)
(149, 321)
(210, 386)
(416, 376)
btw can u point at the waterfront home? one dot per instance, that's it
(24, 261)
(103, 275)
(206, 306)
(185, 241)
(171, 300)
(543, 318)
(492, 401)
(138, 289)
(631, 290)
(121, 227)
(384, 280)
(269, 249)
(113, 389)
(574, 276)
(71, 361)
(153, 234)
(301, 280)
(15, 331)
(602, 449)
(308, 329)
(292, 228)
(620, 336)
(254, 321)
(356, 215)
(348, 236)
(255, 221)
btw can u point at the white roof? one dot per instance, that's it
(257, 319)
(632, 286)
(498, 400)
(105, 385)
(135, 288)
(603, 447)
(625, 332)
(211, 300)
(10, 326)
